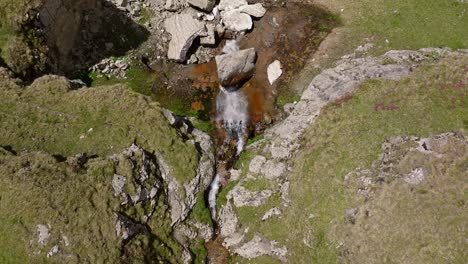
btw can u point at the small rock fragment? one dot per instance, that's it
(43, 234)
(415, 177)
(244, 197)
(260, 246)
(272, 170)
(270, 213)
(274, 71)
(118, 182)
(211, 38)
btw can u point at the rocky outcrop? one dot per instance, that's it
(235, 68)
(93, 207)
(183, 29)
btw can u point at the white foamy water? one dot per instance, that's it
(214, 188)
(232, 111)
(231, 46)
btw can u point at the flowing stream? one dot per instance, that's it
(232, 114)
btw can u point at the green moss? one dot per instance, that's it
(205, 126)
(145, 15)
(244, 160)
(199, 251)
(254, 139)
(259, 184)
(201, 211)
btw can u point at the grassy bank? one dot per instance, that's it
(388, 25)
(348, 135)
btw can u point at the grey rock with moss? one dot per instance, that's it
(260, 246)
(256, 164)
(244, 197)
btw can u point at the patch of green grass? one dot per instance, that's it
(287, 97)
(412, 223)
(259, 184)
(244, 159)
(221, 199)
(254, 139)
(415, 24)
(138, 79)
(145, 15)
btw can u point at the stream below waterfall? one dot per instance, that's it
(289, 34)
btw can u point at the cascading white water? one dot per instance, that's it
(231, 46)
(232, 113)
(214, 188)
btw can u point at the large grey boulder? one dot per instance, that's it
(256, 10)
(231, 4)
(234, 68)
(206, 5)
(184, 29)
(236, 20)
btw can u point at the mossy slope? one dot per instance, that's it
(48, 116)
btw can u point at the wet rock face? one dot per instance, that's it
(237, 67)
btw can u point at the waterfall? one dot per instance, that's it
(232, 113)
(231, 46)
(214, 188)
